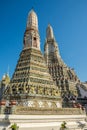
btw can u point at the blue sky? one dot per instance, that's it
(68, 19)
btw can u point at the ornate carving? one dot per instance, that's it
(40, 90)
(32, 90)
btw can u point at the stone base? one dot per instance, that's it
(43, 122)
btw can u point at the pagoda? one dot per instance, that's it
(31, 84)
(64, 77)
(4, 84)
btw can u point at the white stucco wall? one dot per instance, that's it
(42, 122)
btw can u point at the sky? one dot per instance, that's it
(68, 19)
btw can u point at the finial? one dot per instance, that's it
(8, 70)
(32, 9)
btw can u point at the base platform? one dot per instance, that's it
(43, 122)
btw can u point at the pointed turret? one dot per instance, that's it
(51, 48)
(49, 33)
(32, 21)
(61, 74)
(4, 83)
(31, 36)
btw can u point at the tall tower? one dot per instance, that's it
(51, 51)
(64, 77)
(31, 36)
(31, 82)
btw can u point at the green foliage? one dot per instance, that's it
(14, 127)
(63, 126)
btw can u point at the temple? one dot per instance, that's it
(31, 82)
(40, 80)
(43, 91)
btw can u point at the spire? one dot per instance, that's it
(49, 33)
(51, 50)
(31, 36)
(32, 21)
